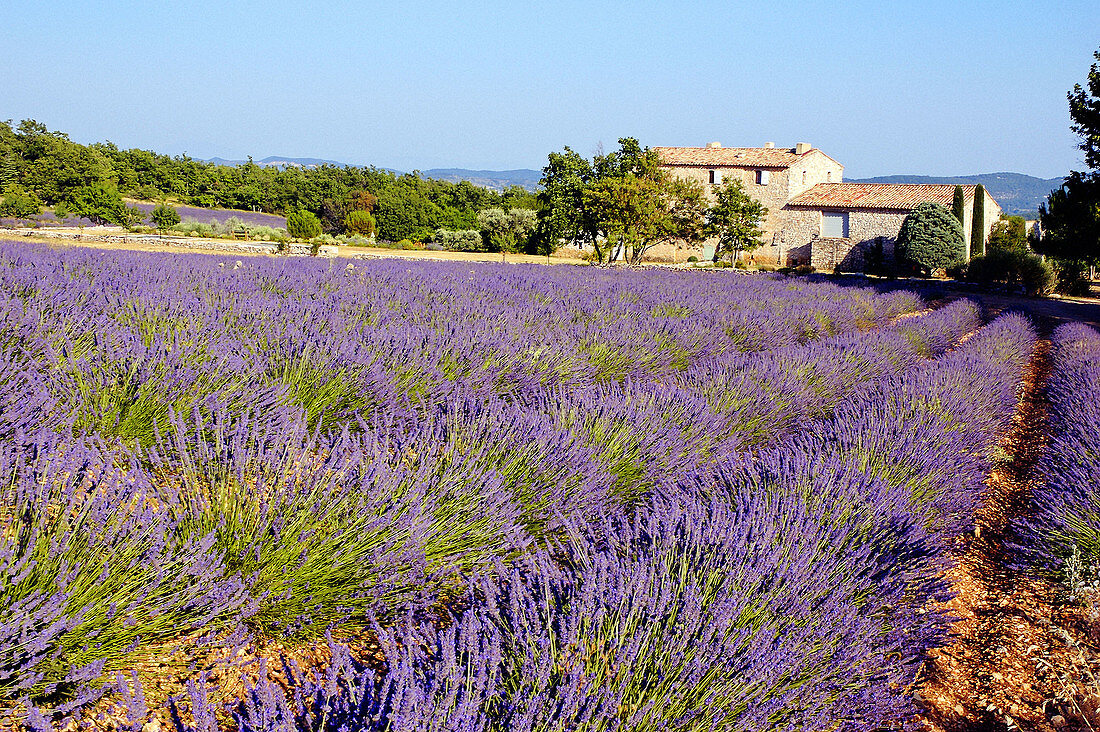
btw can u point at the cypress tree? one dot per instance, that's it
(977, 229)
(958, 207)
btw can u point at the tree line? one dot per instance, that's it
(618, 205)
(43, 167)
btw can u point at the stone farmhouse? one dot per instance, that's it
(814, 217)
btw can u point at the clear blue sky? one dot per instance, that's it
(936, 87)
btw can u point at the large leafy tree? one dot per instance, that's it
(1070, 219)
(931, 238)
(735, 219)
(99, 202)
(620, 204)
(1084, 110)
(625, 208)
(1009, 234)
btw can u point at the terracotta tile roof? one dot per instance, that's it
(730, 157)
(892, 196)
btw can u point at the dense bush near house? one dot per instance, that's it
(931, 238)
(1012, 270)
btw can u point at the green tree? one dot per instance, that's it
(571, 185)
(99, 202)
(17, 203)
(958, 205)
(506, 230)
(931, 238)
(9, 168)
(625, 209)
(1084, 110)
(1070, 220)
(682, 210)
(165, 217)
(1009, 234)
(735, 219)
(562, 216)
(360, 223)
(977, 223)
(303, 224)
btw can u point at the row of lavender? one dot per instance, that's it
(1062, 535)
(792, 589)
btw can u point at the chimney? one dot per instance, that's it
(802, 148)
(769, 145)
(714, 144)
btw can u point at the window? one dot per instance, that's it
(763, 176)
(834, 224)
(803, 177)
(715, 177)
(829, 176)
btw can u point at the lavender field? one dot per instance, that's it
(219, 215)
(407, 495)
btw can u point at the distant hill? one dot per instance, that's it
(495, 179)
(278, 161)
(1018, 194)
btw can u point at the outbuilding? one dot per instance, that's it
(839, 224)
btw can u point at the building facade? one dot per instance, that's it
(814, 217)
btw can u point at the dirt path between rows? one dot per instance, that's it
(1020, 655)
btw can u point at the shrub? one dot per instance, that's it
(463, 240)
(302, 224)
(693, 258)
(874, 257)
(1010, 269)
(1072, 275)
(931, 238)
(165, 217)
(190, 227)
(18, 203)
(360, 222)
(132, 217)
